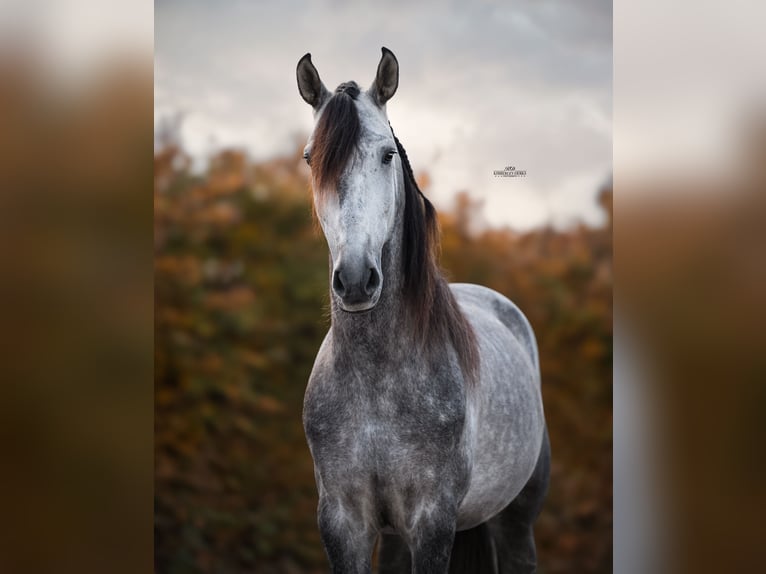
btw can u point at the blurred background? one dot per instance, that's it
(241, 271)
(76, 292)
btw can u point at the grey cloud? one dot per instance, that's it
(528, 81)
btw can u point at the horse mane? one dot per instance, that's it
(434, 313)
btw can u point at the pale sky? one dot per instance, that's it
(483, 85)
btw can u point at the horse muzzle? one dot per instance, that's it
(357, 285)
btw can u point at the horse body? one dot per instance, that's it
(505, 420)
(367, 415)
(423, 411)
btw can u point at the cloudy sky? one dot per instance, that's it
(483, 85)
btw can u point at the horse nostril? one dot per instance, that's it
(337, 283)
(372, 282)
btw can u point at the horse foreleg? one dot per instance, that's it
(432, 546)
(512, 528)
(347, 540)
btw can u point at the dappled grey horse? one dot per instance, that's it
(423, 411)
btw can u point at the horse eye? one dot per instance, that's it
(307, 157)
(389, 156)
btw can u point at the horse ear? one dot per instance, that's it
(387, 78)
(309, 84)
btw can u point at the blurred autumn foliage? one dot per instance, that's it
(241, 293)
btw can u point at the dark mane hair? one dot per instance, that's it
(434, 313)
(336, 137)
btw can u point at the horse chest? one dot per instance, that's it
(375, 437)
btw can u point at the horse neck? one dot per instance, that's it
(383, 328)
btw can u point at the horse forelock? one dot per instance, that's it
(336, 137)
